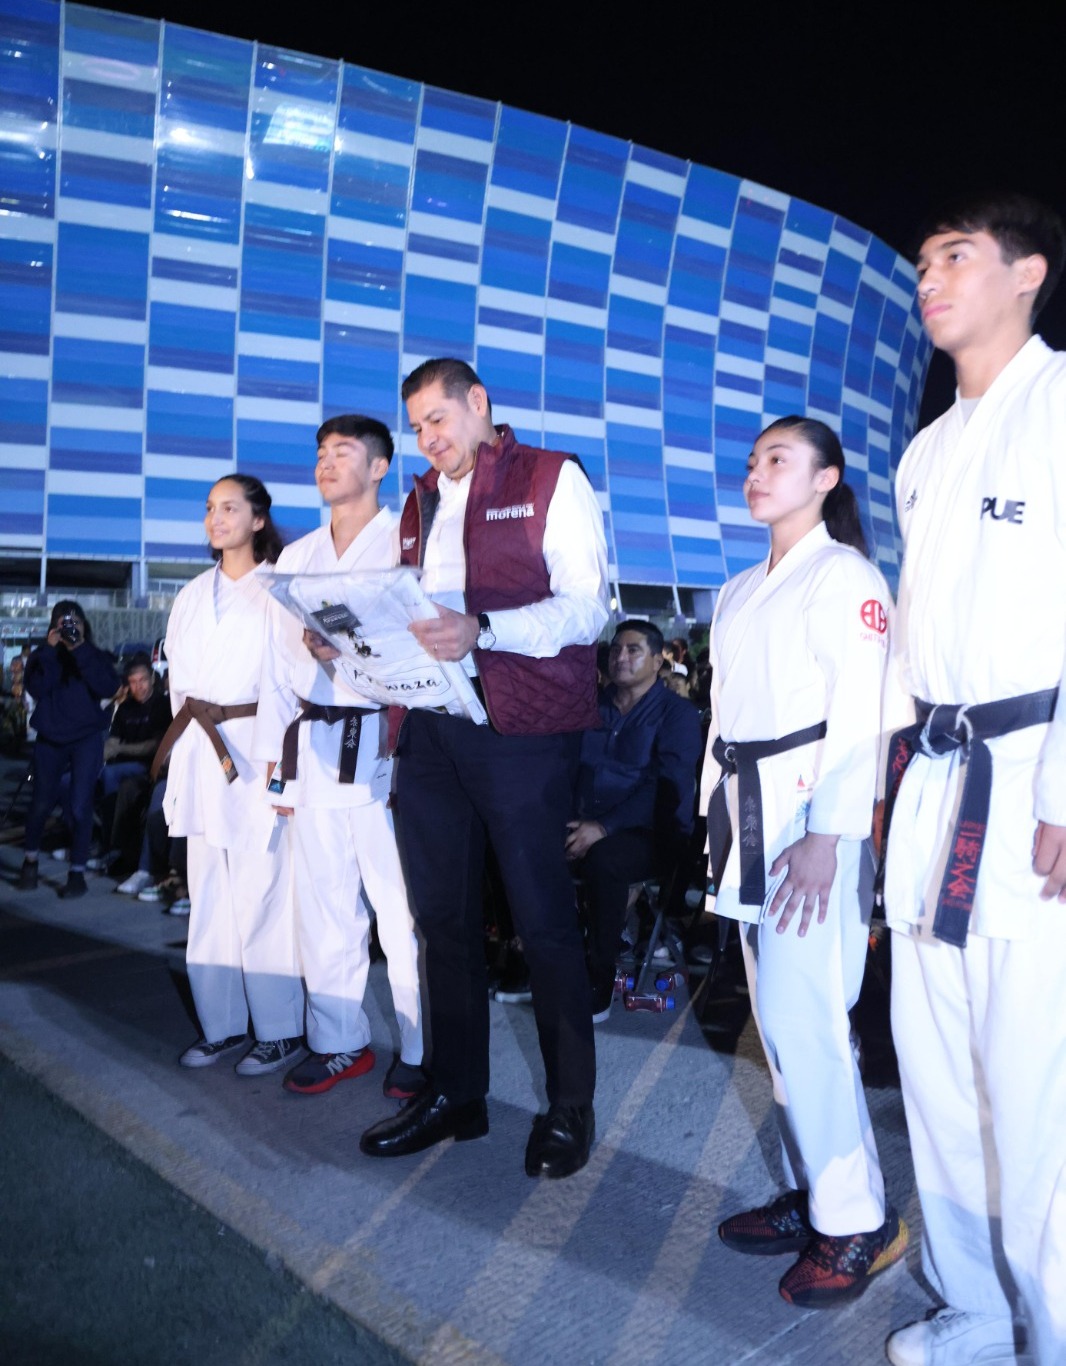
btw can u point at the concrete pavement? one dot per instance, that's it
(451, 1256)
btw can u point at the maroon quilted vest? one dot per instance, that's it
(504, 538)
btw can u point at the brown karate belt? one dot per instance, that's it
(208, 716)
(314, 711)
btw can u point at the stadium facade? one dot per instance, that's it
(206, 244)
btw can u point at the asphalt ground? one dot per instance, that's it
(451, 1256)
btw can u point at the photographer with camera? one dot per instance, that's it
(70, 680)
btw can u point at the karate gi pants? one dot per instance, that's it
(346, 857)
(241, 953)
(459, 785)
(801, 991)
(981, 1038)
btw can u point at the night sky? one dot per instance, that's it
(874, 112)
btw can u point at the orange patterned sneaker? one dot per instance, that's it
(781, 1226)
(833, 1270)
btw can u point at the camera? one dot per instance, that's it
(70, 629)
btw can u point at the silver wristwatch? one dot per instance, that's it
(485, 638)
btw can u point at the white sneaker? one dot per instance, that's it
(135, 883)
(951, 1337)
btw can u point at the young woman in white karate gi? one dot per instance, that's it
(241, 952)
(797, 641)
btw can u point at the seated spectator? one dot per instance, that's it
(139, 723)
(635, 793)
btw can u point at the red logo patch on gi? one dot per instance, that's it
(874, 616)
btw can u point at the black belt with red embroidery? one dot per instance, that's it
(940, 730)
(742, 758)
(313, 711)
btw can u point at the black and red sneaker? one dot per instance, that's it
(404, 1080)
(832, 1270)
(322, 1071)
(781, 1226)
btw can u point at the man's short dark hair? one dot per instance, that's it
(373, 434)
(455, 377)
(137, 663)
(651, 634)
(1021, 225)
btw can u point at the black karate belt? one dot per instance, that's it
(741, 757)
(312, 711)
(940, 730)
(208, 715)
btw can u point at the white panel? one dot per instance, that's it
(18, 365)
(511, 301)
(668, 182)
(847, 246)
(96, 484)
(450, 229)
(616, 359)
(642, 290)
(92, 327)
(171, 380)
(118, 146)
(278, 410)
(27, 227)
(573, 235)
(564, 310)
(440, 268)
(517, 201)
(293, 198)
(575, 424)
(96, 418)
(625, 415)
(712, 233)
(177, 248)
(692, 321)
(374, 149)
(762, 194)
(189, 468)
(679, 458)
(704, 529)
(453, 145)
(805, 246)
(82, 66)
(281, 348)
(163, 291)
(744, 316)
(91, 213)
(369, 234)
(509, 339)
(344, 314)
(173, 132)
(17, 457)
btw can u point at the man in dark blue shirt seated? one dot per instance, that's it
(635, 793)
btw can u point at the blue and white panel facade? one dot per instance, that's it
(208, 244)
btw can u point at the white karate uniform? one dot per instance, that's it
(241, 952)
(790, 648)
(981, 1031)
(344, 843)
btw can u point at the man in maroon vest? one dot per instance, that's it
(510, 541)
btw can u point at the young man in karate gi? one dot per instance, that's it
(343, 841)
(976, 874)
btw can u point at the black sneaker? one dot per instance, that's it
(27, 878)
(404, 1080)
(781, 1226)
(832, 1270)
(268, 1055)
(203, 1054)
(75, 885)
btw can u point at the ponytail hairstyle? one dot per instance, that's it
(840, 511)
(267, 542)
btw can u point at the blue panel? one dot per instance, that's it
(25, 296)
(95, 372)
(23, 411)
(29, 80)
(463, 114)
(192, 338)
(591, 189)
(190, 424)
(89, 450)
(102, 270)
(529, 153)
(449, 185)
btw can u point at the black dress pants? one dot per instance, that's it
(459, 785)
(608, 869)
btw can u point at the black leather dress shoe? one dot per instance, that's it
(429, 1119)
(560, 1142)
